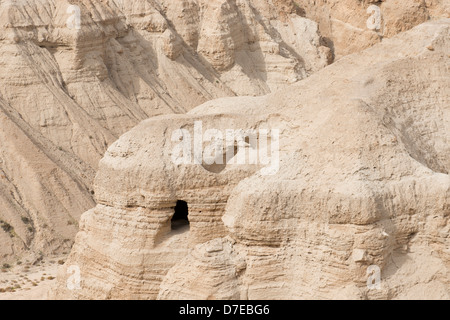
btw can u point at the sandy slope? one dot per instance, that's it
(31, 280)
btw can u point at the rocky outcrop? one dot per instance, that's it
(74, 76)
(350, 26)
(362, 185)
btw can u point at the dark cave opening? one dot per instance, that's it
(180, 217)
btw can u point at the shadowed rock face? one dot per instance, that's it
(66, 94)
(363, 184)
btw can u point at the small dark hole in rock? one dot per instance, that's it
(180, 217)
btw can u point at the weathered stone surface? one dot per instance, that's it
(363, 182)
(344, 23)
(69, 88)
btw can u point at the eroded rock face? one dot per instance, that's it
(363, 184)
(350, 26)
(71, 84)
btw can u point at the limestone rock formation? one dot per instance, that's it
(75, 75)
(362, 185)
(350, 26)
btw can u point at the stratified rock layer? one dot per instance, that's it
(70, 87)
(350, 26)
(363, 184)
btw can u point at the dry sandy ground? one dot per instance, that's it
(29, 281)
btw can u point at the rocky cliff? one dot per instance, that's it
(360, 152)
(75, 75)
(350, 26)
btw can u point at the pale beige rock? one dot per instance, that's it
(343, 23)
(66, 94)
(363, 183)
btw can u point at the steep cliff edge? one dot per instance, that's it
(362, 184)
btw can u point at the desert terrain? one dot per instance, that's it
(335, 183)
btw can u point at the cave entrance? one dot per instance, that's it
(180, 217)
